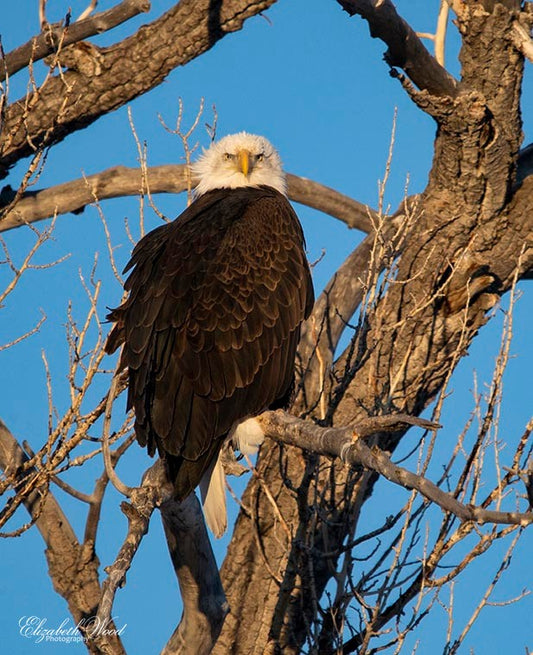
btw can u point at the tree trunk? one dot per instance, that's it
(465, 243)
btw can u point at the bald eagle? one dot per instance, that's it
(212, 320)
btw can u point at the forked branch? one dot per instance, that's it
(349, 445)
(204, 602)
(46, 42)
(144, 499)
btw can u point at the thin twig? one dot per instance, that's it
(113, 477)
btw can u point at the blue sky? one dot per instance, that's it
(312, 81)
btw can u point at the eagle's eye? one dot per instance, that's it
(228, 156)
(260, 157)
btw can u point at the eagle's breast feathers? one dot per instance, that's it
(212, 322)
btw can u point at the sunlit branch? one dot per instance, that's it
(349, 445)
(405, 50)
(172, 178)
(46, 43)
(143, 501)
(116, 384)
(88, 10)
(522, 40)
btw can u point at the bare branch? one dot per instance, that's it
(405, 50)
(42, 13)
(440, 34)
(26, 264)
(26, 335)
(117, 384)
(88, 10)
(44, 44)
(184, 136)
(348, 444)
(522, 40)
(122, 181)
(143, 501)
(204, 602)
(485, 600)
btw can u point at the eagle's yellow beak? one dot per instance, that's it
(244, 162)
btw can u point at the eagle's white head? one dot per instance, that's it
(239, 160)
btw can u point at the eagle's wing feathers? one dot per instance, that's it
(212, 322)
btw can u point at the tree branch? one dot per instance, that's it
(405, 49)
(73, 567)
(522, 40)
(143, 501)
(204, 603)
(318, 196)
(121, 181)
(113, 76)
(349, 445)
(48, 41)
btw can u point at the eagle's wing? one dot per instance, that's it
(212, 322)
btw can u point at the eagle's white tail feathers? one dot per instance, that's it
(213, 492)
(247, 436)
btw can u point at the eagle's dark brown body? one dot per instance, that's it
(212, 322)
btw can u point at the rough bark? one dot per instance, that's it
(471, 236)
(62, 35)
(99, 80)
(405, 49)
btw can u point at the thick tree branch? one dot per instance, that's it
(349, 445)
(318, 196)
(61, 35)
(204, 603)
(405, 49)
(121, 181)
(111, 77)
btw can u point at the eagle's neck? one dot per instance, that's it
(236, 180)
